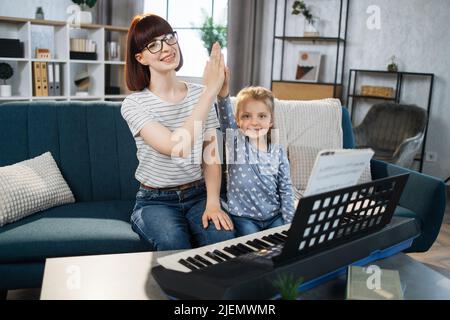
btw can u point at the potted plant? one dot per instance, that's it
(288, 286)
(85, 16)
(6, 72)
(393, 66)
(211, 32)
(299, 7)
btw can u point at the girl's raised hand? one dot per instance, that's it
(225, 90)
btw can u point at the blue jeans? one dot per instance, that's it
(245, 225)
(171, 220)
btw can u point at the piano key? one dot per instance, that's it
(262, 243)
(187, 264)
(279, 237)
(266, 238)
(195, 263)
(171, 261)
(203, 260)
(211, 255)
(271, 236)
(244, 247)
(221, 254)
(284, 232)
(255, 245)
(242, 251)
(232, 251)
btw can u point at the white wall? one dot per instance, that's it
(53, 9)
(414, 30)
(417, 32)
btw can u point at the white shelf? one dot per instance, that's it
(14, 59)
(50, 60)
(86, 61)
(14, 98)
(58, 42)
(115, 62)
(49, 98)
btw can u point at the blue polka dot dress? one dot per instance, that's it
(259, 184)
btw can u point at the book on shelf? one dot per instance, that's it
(373, 283)
(37, 79)
(44, 79)
(51, 81)
(57, 79)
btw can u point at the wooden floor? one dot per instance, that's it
(438, 257)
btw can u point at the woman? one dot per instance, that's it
(173, 123)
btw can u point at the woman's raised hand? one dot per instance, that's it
(214, 73)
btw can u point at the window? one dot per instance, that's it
(186, 17)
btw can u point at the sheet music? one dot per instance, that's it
(336, 169)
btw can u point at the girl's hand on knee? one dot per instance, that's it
(218, 217)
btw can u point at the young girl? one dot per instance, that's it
(177, 196)
(259, 188)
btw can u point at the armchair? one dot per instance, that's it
(394, 131)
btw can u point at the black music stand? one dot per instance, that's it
(330, 219)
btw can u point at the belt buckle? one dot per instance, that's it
(186, 186)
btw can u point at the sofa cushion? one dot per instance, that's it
(31, 186)
(84, 228)
(316, 123)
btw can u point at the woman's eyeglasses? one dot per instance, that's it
(157, 45)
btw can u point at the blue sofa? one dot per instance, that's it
(96, 154)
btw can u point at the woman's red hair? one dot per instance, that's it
(143, 29)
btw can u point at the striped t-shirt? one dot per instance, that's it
(156, 169)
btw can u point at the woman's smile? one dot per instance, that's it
(170, 58)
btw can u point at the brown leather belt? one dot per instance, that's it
(177, 188)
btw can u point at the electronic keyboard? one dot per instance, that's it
(329, 232)
(251, 276)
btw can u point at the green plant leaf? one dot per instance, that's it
(6, 71)
(89, 3)
(300, 7)
(211, 32)
(288, 286)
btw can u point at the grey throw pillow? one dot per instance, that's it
(31, 186)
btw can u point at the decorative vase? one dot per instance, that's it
(310, 29)
(5, 90)
(84, 17)
(39, 15)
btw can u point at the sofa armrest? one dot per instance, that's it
(424, 195)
